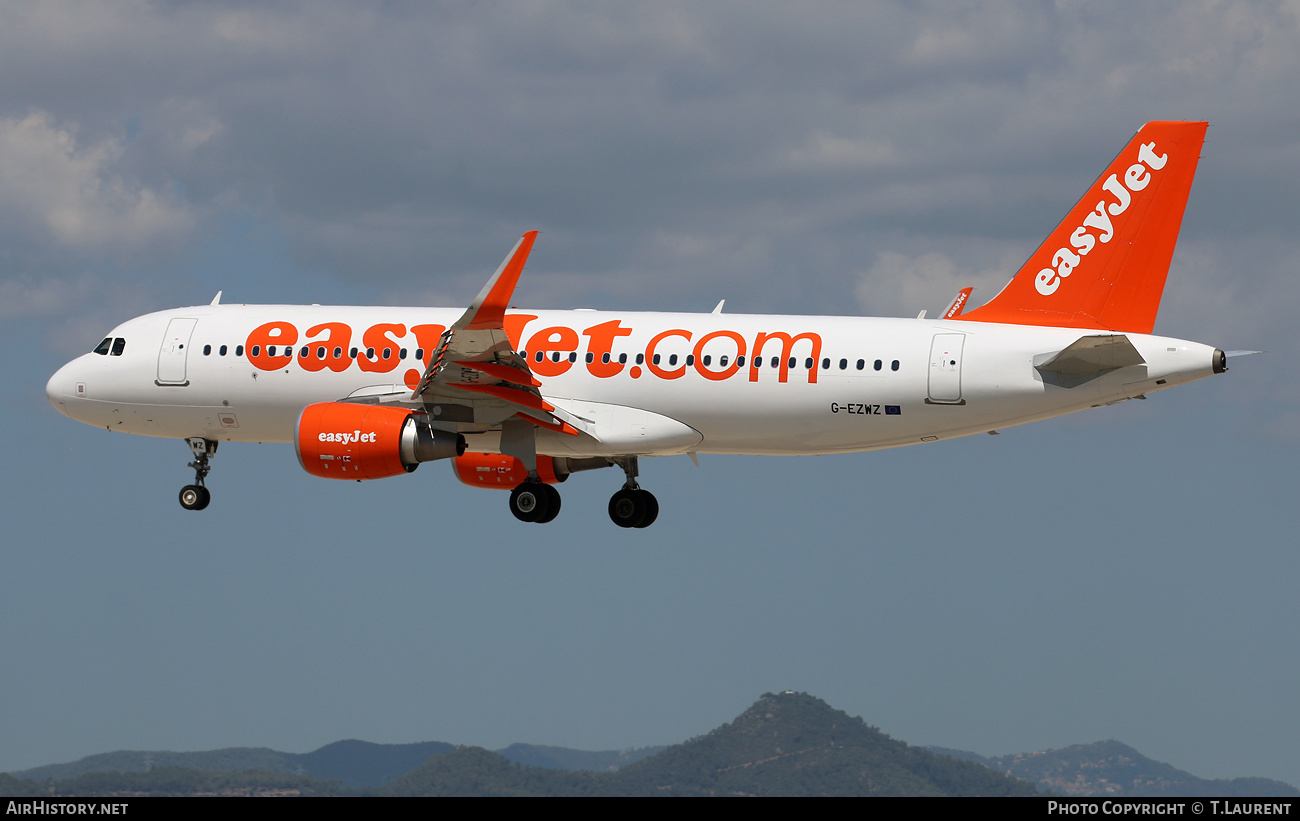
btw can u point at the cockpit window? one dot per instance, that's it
(119, 345)
(103, 347)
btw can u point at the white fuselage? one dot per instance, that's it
(672, 382)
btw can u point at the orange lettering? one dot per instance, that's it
(558, 339)
(428, 338)
(730, 369)
(787, 346)
(514, 326)
(377, 337)
(340, 336)
(601, 346)
(664, 373)
(264, 336)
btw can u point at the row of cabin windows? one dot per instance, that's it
(306, 352)
(111, 346)
(539, 356)
(707, 361)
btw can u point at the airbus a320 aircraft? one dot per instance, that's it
(518, 400)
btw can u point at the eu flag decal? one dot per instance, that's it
(893, 410)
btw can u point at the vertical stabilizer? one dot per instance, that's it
(1104, 266)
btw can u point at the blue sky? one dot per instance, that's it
(1123, 573)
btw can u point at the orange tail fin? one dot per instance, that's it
(1104, 266)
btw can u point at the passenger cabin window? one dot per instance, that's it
(239, 350)
(102, 348)
(221, 351)
(877, 365)
(207, 350)
(893, 366)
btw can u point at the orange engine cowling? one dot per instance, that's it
(501, 471)
(342, 440)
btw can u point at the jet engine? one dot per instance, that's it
(506, 472)
(343, 440)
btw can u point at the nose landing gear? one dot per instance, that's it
(196, 496)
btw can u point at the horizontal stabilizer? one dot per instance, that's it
(1092, 355)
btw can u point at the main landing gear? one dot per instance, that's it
(537, 501)
(196, 496)
(631, 506)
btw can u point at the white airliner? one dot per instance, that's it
(518, 399)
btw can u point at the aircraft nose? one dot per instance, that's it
(61, 388)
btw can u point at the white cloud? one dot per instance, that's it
(75, 194)
(902, 285)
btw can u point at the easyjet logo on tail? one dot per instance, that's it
(1082, 240)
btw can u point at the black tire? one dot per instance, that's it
(529, 502)
(552, 505)
(627, 508)
(651, 508)
(194, 497)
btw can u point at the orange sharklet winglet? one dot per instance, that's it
(958, 304)
(488, 310)
(503, 372)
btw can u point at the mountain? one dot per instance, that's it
(562, 758)
(785, 744)
(353, 763)
(795, 744)
(1109, 768)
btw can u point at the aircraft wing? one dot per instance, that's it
(474, 375)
